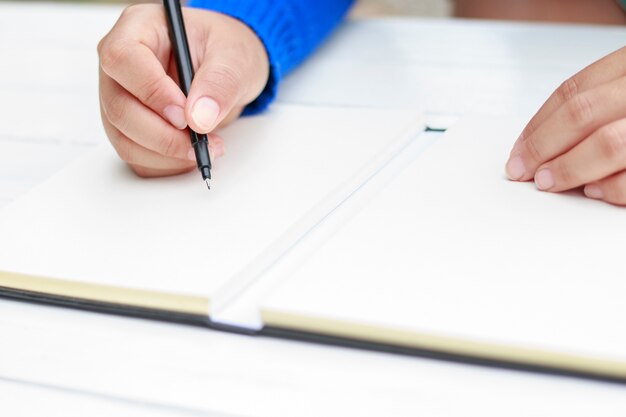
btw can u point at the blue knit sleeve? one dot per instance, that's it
(289, 29)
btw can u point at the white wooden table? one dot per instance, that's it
(67, 362)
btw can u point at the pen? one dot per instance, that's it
(180, 46)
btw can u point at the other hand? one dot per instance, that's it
(578, 137)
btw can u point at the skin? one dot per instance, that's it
(576, 139)
(143, 110)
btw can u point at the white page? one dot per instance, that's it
(18, 156)
(453, 249)
(96, 222)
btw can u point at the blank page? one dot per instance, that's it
(97, 223)
(453, 256)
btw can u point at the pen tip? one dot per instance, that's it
(208, 183)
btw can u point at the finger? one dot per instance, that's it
(121, 112)
(611, 189)
(135, 154)
(216, 150)
(229, 79)
(147, 172)
(136, 55)
(141, 124)
(602, 154)
(151, 163)
(602, 71)
(571, 123)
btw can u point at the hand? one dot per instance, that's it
(578, 137)
(145, 113)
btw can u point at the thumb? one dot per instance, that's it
(233, 71)
(216, 90)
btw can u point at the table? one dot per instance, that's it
(55, 360)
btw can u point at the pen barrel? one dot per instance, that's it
(180, 48)
(180, 45)
(200, 144)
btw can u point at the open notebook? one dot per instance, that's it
(451, 257)
(96, 233)
(340, 226)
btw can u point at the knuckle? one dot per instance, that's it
(531, 126)
(225, 81)
(132, 9)
(115, 110)
(533, 150)
(580, 109)
(153, 90)
(568, 89)
(115, 37)
(612, 143)
(101, 45)
(112, 52)
(567, 176)
(167, 144)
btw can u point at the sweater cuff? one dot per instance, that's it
(272, 23)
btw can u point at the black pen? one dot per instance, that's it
(180, 46)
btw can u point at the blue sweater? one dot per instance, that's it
(289, 29)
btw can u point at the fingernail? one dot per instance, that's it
(205, 113)
(191, 155)
(593, 191)
(176, 116)
(544, 179)
(515, 168)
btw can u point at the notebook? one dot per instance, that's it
(97, 236)
(355, 230)
(451, 257)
